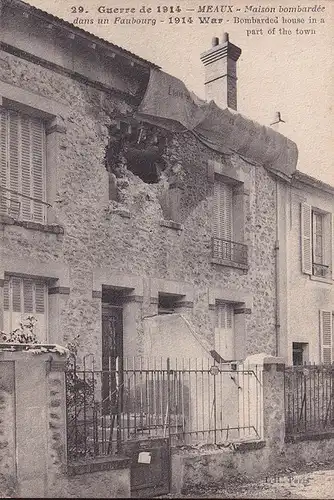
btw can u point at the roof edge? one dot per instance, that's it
(66, 25)
(301, 177)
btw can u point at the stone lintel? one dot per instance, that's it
(242, 310)
(184, 303)
(61, 290)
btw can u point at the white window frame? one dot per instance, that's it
(309, 260)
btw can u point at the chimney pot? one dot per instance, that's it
(220, 63)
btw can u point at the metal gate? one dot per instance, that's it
(142, 408)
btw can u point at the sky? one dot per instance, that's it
(291, 73)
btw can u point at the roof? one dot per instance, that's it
(86, 34)
(312, 181)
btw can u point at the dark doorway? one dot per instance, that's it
(299, 353)
(112, 349)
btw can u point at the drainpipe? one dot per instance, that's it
(277, 276)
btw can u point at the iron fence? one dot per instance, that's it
(229, 250)
(309, 403)
(187, 401)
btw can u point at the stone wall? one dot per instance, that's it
(33, 432)
(127, 236)
(218, 464)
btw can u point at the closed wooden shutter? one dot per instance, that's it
(37, 130)
(22, 142)
(28, 299)
(26, 179)
(223, 198)
(224, 331)
(332, 245)
(3, 161)
(25, 297)
(326, 336)
(306, 238)
(13, 155)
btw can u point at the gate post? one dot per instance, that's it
(273, 406)
(34, 395)
(169, 423)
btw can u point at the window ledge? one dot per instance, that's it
(171, 224)
(329, 281)
(37, 226)
(122, 212)
(229, 263)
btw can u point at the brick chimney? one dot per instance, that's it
(221, 73)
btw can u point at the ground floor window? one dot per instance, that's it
(25, 297)
(224, 330)
(299, 353)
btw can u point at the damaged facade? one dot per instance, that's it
(142, 239)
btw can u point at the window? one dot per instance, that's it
(326, 336)
(227, 211)
(167, 303)
(224, 331)
(223, 223)
(25, 297)
(316, 231)
(299, 353)
(22, 166)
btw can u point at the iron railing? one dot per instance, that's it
(321, 270)
(187, 401)
(229, 250)
(309, 399)
(19, 206)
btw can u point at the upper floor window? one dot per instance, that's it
(317, 240)
(25, 297)
(22, 166)
(228, 224)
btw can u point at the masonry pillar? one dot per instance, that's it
(35, 400)
(270, 371)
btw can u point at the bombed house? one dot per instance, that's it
(133, 214)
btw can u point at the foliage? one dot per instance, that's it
(80, 405)
(24, 334)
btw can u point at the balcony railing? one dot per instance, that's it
(320, 270)
(229, 250)
(20, 206)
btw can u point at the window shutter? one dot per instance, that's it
(16, 294)
(326, 336)
(3, 161)
(38, 168)
(28, 296)
(306, 238)
(6, 295)
(26, 208)
(332, 247)
(223, 195)
(13, 146)
(228, 212)
(40, 297)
